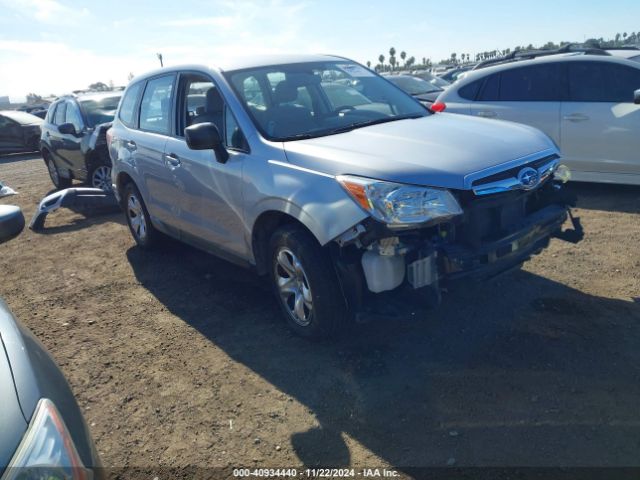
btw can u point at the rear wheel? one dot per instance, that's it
(58, 181)
(305, 283)
(143, 232)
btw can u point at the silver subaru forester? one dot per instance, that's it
(348, 193)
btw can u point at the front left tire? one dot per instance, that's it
(305, 283)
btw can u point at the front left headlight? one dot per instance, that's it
(47, 450)
(400, 205)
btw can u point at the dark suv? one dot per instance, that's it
(73, 142)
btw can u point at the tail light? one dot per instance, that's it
(47, 450)
(438, 107)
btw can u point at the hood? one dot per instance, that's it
(441, 150)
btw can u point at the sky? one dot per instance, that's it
(56, 46)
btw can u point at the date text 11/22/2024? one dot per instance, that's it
(315, 473)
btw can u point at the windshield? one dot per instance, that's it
(304, 100)
(100, 110)
(413, 85)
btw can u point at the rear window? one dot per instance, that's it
(491, 89)
(470, 91)
(100, 110)
(127, 113)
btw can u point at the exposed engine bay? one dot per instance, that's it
(495, 233)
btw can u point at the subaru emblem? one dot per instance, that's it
(528, 178)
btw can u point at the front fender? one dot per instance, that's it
(313, 198)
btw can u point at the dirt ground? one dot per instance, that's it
(178, 358)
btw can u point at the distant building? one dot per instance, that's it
(4, 102)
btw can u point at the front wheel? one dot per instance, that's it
(305, 283)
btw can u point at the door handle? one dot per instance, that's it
(172, 161)
(487, 114)
(130, 145)
(576, 117)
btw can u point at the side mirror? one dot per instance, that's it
(205, 136)
(11, 222)
(636, 97)
(67, 129)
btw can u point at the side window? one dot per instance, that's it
(155, 109)
(200, 102)
(234, 138)
(61, 113)
(73, 116)
(622, 82)
(539, 83)
(491, 89)
(127, 113)
(470, 91)
(587, 82)
(51, 113)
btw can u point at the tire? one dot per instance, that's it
(54, 174)
(143, 232)
(100, 177)
(305, 283)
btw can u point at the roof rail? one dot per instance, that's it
(529, 54)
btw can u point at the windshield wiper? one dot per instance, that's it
(353, 126)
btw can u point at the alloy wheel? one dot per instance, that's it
(293, 287)
(101, 178)
(53, 173)
(136, 217)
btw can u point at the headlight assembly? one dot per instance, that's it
(400, 205)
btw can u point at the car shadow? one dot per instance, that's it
(521, 371)
(606, 197)
(19, 157)
(87, 220)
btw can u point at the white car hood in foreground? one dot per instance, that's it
(441, 150)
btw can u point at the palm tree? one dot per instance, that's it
(381, 60)
(403, 55)
(392, 57)
(368, 64)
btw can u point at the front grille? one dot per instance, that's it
(513, 172)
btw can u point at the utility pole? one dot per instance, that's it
(159, 55)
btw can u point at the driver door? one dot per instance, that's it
(209, 192)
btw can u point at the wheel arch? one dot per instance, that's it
(264, 226)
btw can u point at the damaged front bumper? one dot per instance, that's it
(380, 268)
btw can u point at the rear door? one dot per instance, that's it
(147, 146)
(529, 95)
(600, 123)
(209, 192)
